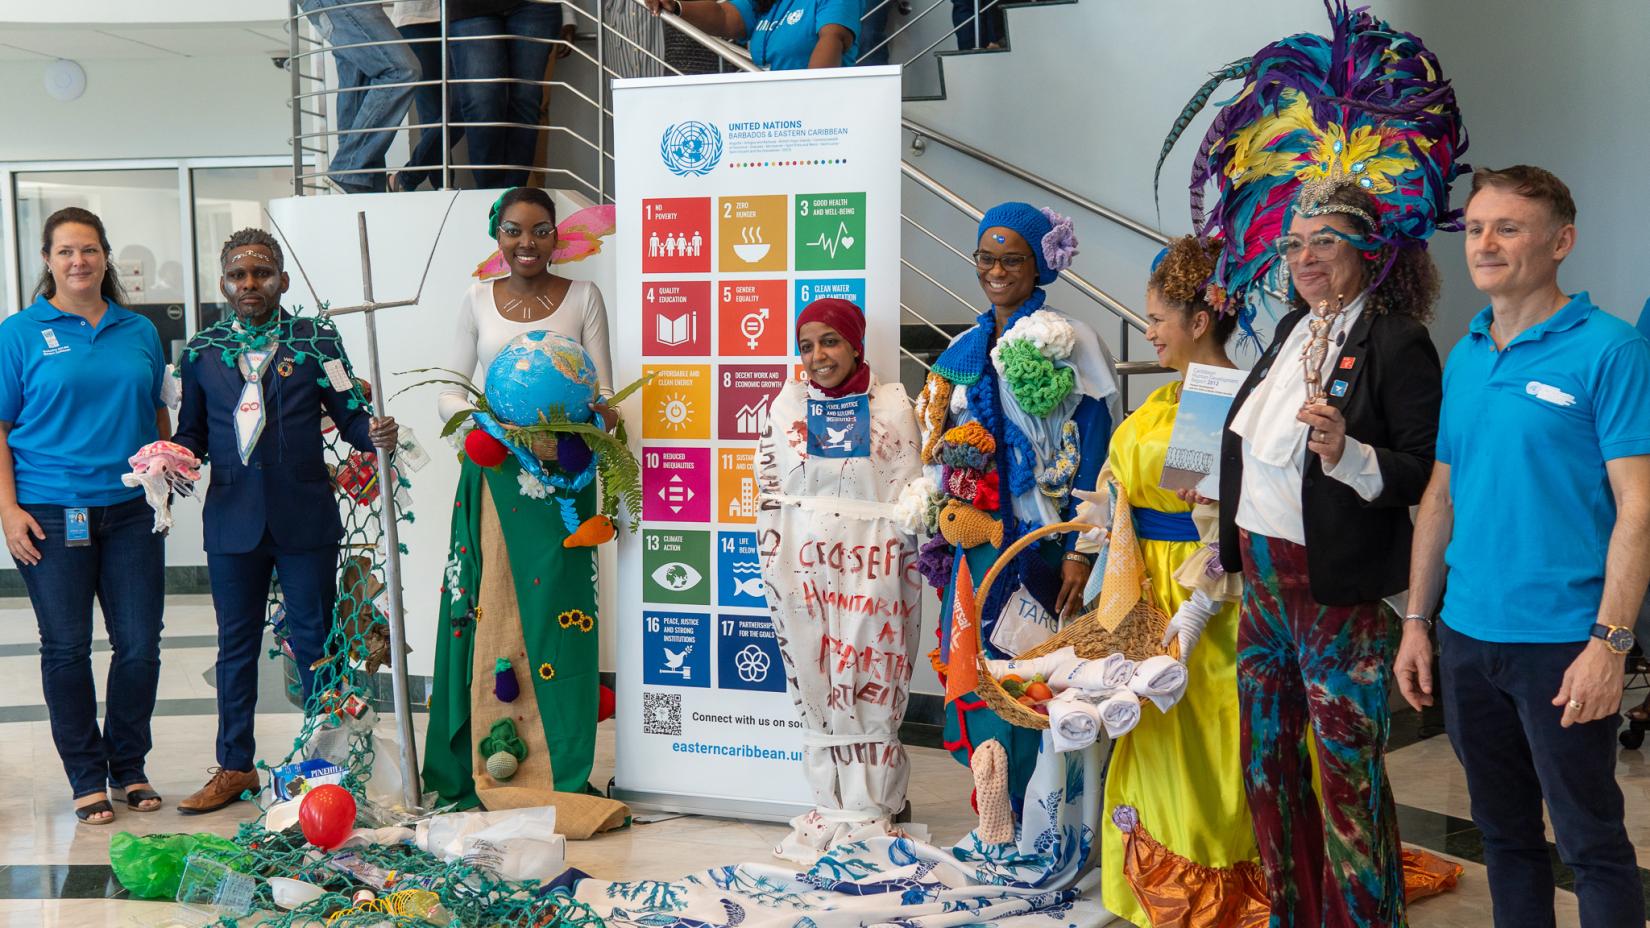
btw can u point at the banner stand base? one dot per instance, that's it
(748, 810)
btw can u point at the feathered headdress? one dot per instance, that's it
(1367, 105)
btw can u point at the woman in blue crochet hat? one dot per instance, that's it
(1017, 411)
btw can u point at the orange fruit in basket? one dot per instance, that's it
(1011, 678)
(1026, 701)
(1039, 691)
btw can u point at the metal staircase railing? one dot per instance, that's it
(628, 42)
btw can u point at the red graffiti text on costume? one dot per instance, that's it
(843, 695)
(857, 602)
(871, 561)
(890, 666)
(875, 754)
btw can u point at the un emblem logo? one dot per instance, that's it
(691, 148)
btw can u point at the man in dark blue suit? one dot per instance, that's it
(254, 390)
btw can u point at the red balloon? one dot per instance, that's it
(484, 449)
(327, 815)
(604, 704)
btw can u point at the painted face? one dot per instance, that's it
(252, 283)
(1514, 245)
(77, 260)
(1173, 331)
(1323, 269)
(526, 238)
(826, 355)
(1006, 267)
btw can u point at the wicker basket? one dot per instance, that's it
(1138, 635)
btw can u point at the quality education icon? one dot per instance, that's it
(691, 149)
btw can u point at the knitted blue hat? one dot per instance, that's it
(1051, 236)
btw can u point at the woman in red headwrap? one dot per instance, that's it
(838, 466)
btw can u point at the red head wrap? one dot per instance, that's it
(849, 322)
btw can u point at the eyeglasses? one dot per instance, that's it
(1011, 263)
(1321, 244)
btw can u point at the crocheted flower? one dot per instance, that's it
(964, 457)
(972, 434)
(934, 562)
(1060, 244)
(1038, 385)
(1048, 330)
(911, 511)
(986, 493)
(960, 482)
(531, 486)
(1125, 818)
(547, 672)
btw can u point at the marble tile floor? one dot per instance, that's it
(39, 836)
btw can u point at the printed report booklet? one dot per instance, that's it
(1194, 445)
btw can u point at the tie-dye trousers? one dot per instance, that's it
(1330, 849)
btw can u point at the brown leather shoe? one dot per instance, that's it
(224, 788)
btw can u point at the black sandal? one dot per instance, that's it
(134, 798)
(101, 807)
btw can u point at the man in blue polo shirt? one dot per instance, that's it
(1539, 506)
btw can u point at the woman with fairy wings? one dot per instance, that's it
(512, 592)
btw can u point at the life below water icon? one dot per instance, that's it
(676, 663)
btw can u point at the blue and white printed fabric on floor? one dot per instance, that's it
(1036, 881)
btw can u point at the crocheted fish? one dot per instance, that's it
(1366, 105)
(961, 524)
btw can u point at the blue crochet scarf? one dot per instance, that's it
(967, 365)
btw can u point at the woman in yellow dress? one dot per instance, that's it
(1177, 849)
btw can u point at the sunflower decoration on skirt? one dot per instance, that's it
(547, 672)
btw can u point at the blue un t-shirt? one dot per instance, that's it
(784, 39)
(81, 400)
(1526, 432)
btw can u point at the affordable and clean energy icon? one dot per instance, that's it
(676, 411)
(829, 244)
(752, 249)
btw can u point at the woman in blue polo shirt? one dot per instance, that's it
(80, 390)
(784, 35)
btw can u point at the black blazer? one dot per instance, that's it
(1358, 551)
(285, 487)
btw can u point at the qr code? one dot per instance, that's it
(662, 713)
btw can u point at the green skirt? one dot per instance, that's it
(555, 607)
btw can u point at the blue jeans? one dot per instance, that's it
(873, 29)
(125, 568)
(427, 105)
(517, 103)
(1504, 727)
(990, 24)
(240, 596)
(378, 108)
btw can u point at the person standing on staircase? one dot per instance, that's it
(784, 35)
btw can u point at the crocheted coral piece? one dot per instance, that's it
(990, 765)
(1037, 384)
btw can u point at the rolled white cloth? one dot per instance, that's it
(1096, 677)
(1047, 665)
(1120, 713)
(1162, 679)
(1073, 721)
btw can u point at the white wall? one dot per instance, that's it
(106, 12)
(152, 108)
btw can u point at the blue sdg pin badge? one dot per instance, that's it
(691, 148)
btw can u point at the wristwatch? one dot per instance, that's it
(1618, 638)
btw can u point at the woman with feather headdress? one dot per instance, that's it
(1333, 167)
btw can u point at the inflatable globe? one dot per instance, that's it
(541, 373)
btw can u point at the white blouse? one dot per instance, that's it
(1270, 503)
(483, 332)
